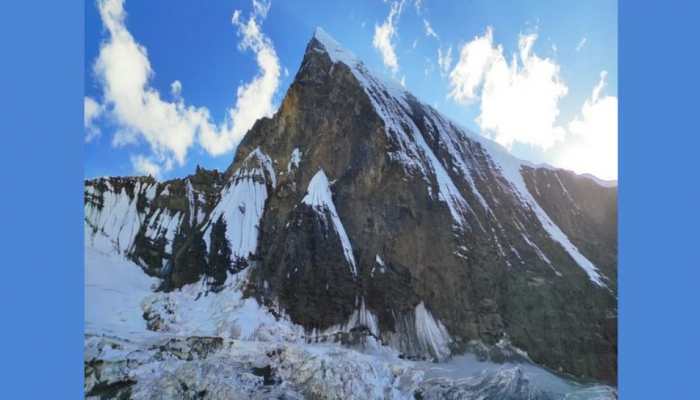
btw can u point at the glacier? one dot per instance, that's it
(222, 346)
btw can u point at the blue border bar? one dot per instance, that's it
(41, 254)
(659, 198)
(41, 285)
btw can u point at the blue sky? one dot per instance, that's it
(550, 105)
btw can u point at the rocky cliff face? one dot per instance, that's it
(358, 209)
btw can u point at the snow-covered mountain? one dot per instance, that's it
(362, 233)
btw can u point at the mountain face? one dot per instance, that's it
(357, 211)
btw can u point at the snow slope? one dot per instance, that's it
(242, 204)
(114, 289)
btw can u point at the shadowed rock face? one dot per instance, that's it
(583, 209)
(452, 240)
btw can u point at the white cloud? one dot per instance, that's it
(429, 66)
(125, 137)
(91, 111)
(176, 89)
(143, 166)
(581, 43)
(383, 35)
(124, 70)
(170, 128)
(261, 8)
(592, 144)
(429, 29)
(474, 60)
(254, 99)
(519, 101)
(418, 4)
(445, 60)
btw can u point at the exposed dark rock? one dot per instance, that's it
(470, 278)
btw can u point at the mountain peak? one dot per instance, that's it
(330, 46)
(320, 34)
(428, 238)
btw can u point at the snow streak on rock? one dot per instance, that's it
(511, 169)
(319, 196)
(266, 163)
(294, 160)
(116, 219)
(165, 224)
(391, 104)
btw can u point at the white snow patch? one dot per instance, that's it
(382, 267)
(379, 260)
(114, 288)
(194, 311)
(319, 196)
(294, 160)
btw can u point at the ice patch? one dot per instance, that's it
(432, 334)
(361, 317)
(192, 310)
